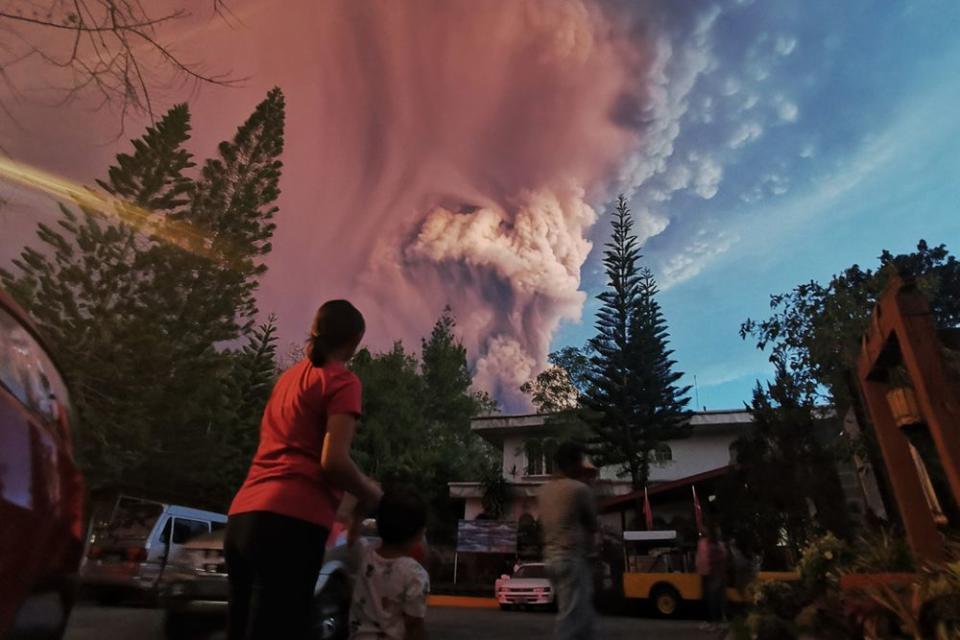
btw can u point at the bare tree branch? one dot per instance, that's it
(110, 48)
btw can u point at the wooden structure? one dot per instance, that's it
(902, 336)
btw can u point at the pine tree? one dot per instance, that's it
(87, 293)
(660, 405)
(253, 373)
(631, 402)
(137, 320)
(785, 488)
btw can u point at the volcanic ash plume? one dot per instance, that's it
(461, 142)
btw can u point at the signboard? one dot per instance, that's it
(486, 536)
(648, 536)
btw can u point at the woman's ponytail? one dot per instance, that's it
(337, 324)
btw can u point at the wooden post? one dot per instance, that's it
(936, 396)
(922, 534)
(902, 330)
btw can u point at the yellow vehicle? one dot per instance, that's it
(658, 570)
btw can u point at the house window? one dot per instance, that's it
(540, 453)
(663, 454)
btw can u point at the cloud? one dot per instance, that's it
(807, 151)
(691, 259)
(744, 134)
(788, 111)
(505, 366)
(679, 59)
(709, 175)
(539, 249)
(785, 45)
(771, 184)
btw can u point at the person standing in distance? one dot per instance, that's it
(568, 514)
(281, 516)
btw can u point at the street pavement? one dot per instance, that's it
(90, 622)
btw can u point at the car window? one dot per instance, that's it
(184, 529)
(28, 372)
(131, 520)
(531, 571)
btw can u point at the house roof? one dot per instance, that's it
(617, 503)
(494, 427)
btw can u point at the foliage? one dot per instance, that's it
(782, 471)
(496, 490)
(814, 329)
(631, 401)
(253, 372)
(416, 424)
(821, 563)
(925, 607)
(781, 609)
(882, 552)
(137, 300)
(559, 387)
(779, 598)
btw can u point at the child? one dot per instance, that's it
(390, 595)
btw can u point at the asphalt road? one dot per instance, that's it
(90, 622)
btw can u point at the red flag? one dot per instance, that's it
(647, 512)
(697, 512)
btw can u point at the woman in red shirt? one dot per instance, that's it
(281, 516)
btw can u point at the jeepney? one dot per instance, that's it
(657, 569)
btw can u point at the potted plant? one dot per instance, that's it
(902, 398)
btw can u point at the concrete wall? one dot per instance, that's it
(701, 452)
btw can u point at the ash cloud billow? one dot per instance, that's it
(466, 141)
(441, 152)
(476, 135)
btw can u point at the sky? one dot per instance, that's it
(467, 153)
(830, 133)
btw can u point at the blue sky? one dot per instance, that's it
(813, 135)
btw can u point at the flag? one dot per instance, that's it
(697, 512)
(647, 512)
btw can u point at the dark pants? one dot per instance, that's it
(715, 596)
(273, 562)
(573, 580)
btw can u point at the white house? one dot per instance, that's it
(527, 443)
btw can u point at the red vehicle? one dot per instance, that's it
(41, 490)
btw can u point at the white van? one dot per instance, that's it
(129, 547)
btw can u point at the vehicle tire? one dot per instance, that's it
(332, 610)
(505, 607)
(43, 616)
(665, 600)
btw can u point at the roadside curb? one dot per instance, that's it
(462, 602)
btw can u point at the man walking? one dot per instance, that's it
(568, 514)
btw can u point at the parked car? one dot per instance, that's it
(194, 588)
(41, 489)
(128, 550)
(529, 586)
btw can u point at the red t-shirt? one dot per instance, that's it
(285, 476)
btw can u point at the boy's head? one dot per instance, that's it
(401, 517)
(569, 459)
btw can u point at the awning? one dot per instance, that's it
(618, 503)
